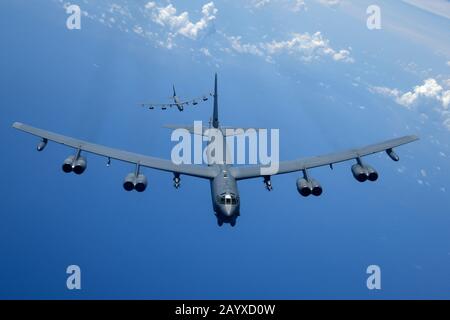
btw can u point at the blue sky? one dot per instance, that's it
(312, 70)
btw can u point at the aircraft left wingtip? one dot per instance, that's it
(17, 125)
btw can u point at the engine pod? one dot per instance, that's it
(303, 187)
(316, 188)
(372, 174)
(359, 172)
(129, 182)
(80, 165)
(67, 166)
(141, 183)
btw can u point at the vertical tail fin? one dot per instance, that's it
(215, 119)
(174, 92)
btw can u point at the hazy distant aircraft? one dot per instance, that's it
(223, 178)
(177, 102)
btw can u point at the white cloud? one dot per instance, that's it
(294, 5)
(431, 90)
(138, 30)
(181, 24)
(387, 92)
(402, 169)
(260, 3)
(446, 123)
(308, 47)
(205, 51)
(304, 46)
(122, 10)
(299, 5)
(150, 5)
(330, 3)
(446, 99)
(239, 47)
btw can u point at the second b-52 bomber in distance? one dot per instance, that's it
(177, 102)
(223, 178)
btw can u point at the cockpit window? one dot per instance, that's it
(227, 199)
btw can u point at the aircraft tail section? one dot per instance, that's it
(215, 119)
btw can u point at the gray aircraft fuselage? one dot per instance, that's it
(177, 101)
(224, 190)
(225, 196)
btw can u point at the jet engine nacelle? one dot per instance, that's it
(363, 173)
(129, 182)
(303, 187)
(68, 164)
(133, 182)
(316, 188)
(79, 165)
(306, 188)
(141, 183)
(74, 164)
(372, 174)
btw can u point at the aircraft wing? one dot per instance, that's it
(144, 161)
(182, 103)
(162, 106)
(248, 172)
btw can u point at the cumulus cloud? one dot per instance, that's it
(446, 99)
(180, 23)
(240, 47)
(385, 91)
(308, 47)
(205, 51)
(299, 5)
(294, 5)
(330, 3)
(305, 46)
(260, 3)
(430, 91)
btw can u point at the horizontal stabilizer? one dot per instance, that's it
(227, 131)
(189, 128)
(236, 131)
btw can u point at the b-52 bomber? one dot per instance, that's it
(223, 178)
(177, 102)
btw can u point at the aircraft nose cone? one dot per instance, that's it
(228, 211)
